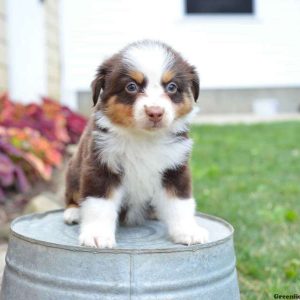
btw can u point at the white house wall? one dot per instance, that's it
(26, 49)
(230, 51)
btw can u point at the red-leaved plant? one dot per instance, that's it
(33, 138)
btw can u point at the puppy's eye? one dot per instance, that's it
(131, 88)
(171, 88)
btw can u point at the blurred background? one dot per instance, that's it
(247, 53)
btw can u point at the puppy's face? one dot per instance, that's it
(146, 86)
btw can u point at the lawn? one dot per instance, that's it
(250, 176)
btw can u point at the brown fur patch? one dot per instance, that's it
(177, 182)
(167, 76)
(119, 113)
(183, 107)
(76, 196)
(72, 184)
(137, 76)
(98, 181)
(72, 205)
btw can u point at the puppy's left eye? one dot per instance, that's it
(171, 88)
(131, 88)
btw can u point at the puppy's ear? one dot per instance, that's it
(195, 84)
(98, 83)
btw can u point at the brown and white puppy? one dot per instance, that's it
(134, 152)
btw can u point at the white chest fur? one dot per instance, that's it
(142, 159)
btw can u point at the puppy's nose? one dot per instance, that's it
(155, 113)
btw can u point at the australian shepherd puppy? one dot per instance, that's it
(132, 158)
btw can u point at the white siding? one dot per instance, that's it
(3, 48)
(52, 27)
(26, 49)
(230, 51)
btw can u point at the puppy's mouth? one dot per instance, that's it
(154, 125)
(158, 124)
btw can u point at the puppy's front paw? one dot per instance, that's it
(189, 235)
(72, 215)
(93, 239)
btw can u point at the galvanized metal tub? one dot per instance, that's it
(45, 262)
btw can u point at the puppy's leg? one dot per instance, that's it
(72, 214)
(179, 216)
(101, 195)
(99, 220)
(176, 207)
(72, 211)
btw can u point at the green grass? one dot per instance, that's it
(250, 176)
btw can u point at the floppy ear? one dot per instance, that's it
(98, 83)
(195, 85)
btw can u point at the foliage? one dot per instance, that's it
(33, 138)
(249, 175)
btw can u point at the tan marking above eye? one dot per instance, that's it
(167, 76)
(137, 76)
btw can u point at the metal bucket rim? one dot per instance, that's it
(78, 248)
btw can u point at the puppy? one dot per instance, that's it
(133, 156)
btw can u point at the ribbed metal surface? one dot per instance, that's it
(45, 262)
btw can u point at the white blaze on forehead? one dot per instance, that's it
(150, 58)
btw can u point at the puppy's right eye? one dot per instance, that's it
(131, 88)
(171, 88)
